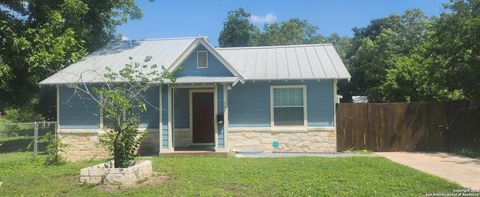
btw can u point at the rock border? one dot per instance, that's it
(105, 173)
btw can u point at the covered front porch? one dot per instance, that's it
(194, 115)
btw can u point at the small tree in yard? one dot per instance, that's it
(120, 100)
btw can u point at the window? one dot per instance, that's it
(288, 105)
(202, 59)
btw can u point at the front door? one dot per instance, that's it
(202, 115)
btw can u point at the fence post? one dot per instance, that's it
(35, 138)
(55, 132)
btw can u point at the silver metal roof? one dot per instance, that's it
(116, 54)
(312, 61)
(291, 62)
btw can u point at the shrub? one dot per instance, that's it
(54, 147)
(24, 114)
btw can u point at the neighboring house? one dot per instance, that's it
(224, 99)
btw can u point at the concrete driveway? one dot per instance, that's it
(462, 170)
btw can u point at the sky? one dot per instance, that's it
(182, 18)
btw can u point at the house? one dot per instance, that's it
(272, 98)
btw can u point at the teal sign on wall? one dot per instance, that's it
(275, 144)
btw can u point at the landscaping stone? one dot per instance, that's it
(105, 173)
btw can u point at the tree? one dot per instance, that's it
(120, 100)
(454, 48)
(38, 38)
(293, 31)
(377, 48)
(238, 31)
(445, 66)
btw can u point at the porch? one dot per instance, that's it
(193, 118)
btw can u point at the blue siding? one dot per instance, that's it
(164, 116)
(221, 133)
(181, 108)
(249, 103)
(320, 103)
(150, 118)
(215, 67)
(77, 112)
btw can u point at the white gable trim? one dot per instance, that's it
(193, 46)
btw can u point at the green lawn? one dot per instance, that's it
(229, 176)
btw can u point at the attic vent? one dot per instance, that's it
(202, 59)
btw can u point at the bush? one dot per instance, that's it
(25, 114)
(54, 147)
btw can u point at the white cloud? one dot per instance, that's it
(267, 19)
(125, 38)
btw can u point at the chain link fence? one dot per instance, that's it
(26, 137)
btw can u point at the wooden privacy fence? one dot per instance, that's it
(422, 126)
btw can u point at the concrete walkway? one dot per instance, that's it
(462, 170)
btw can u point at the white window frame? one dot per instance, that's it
(272, 116)
(206, 58)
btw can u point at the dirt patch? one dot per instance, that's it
(155, 179)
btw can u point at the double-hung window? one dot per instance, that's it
(288, 105)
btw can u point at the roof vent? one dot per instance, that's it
(202, 59)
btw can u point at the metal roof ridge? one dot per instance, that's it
(277, 46)
(161, 39)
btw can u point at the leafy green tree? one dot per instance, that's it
(120, 100)
(376, 49)
(37, 38)
(454, 48)
(445, 66)
(293, 31)
(238, 31)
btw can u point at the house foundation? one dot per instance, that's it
(85, 145)
(311, 140)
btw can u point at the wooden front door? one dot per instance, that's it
(202, 115)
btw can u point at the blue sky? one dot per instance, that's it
(180, 18)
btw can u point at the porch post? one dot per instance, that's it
(160, 121)
(170, 136)
(215, 112)
(58, 108)
(225, 116)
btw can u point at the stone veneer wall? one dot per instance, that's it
(183, 138)
(311, 140)
(85, 145)
(82, 146)
(150, 144)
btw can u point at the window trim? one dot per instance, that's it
(305, 108)
(206, 58)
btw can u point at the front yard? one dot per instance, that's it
(229, 176)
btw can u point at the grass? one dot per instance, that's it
(229, 176)
(469, 153)
(357, 151)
